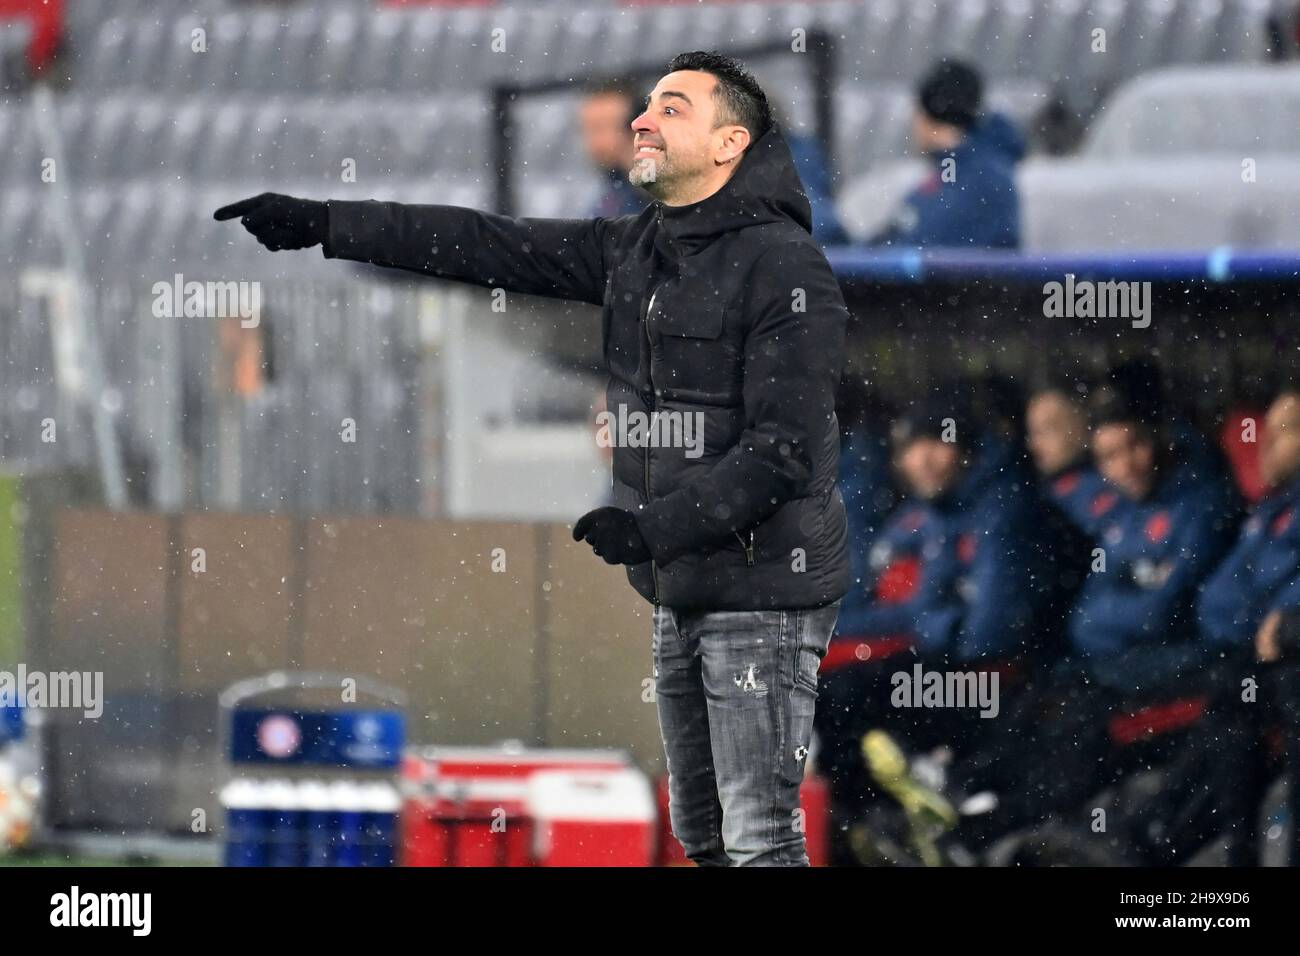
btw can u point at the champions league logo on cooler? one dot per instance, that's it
(367, 744)
(279, 736)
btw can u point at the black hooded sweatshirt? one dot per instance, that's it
(724, 312)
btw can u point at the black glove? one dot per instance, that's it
(279, 221)
(613, 535)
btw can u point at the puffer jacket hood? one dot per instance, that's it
(765, 189)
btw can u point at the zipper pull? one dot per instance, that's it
(749, 548)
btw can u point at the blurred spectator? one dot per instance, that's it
(1220, 766)
(1264, 566)
(1139, 383)
(1211, 779)
(606, 116)
(1132, 620)
(975, 527)
(970, 197)
(1057, 438)
(1277, 643)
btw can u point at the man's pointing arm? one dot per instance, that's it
(561, 258)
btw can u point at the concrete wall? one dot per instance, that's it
(552, 650)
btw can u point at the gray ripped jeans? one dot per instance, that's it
(735, 692)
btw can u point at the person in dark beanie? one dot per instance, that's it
(975, 604)
(719, 312)
(1140, 383)
(969, 198)
(1175, 526)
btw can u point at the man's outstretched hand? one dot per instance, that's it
(613, 535)
(280, 222)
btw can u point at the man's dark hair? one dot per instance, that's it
(1110, 405)
(741, 101)
(930, 417)
(1074, 388)
(952, 92)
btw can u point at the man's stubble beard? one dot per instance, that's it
(649, 176)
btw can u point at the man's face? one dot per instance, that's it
(1126, 458)
(605, 131)
(929, 466)
(922, 131)
(1279, 446)
(677, 147)
(1055, 432)
(929, 135)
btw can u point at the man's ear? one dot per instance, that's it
(735, 140)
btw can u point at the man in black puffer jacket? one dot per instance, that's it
(723, 334)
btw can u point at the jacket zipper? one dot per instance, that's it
(749, 548)
(645, 452)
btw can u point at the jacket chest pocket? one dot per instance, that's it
(696, 354)
(689, 319)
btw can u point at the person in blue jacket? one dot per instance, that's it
(1132, 625)
(1251, 600)
(891, 564)
(1140, 383)
(976, 526)
(1057, 435)
(969, 198)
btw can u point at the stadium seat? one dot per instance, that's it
(1197, 204)
(1238, 111)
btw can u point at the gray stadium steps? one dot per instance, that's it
(332, 46)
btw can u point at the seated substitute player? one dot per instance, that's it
(1056, 420)
(975, 525)
(1218, 778)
